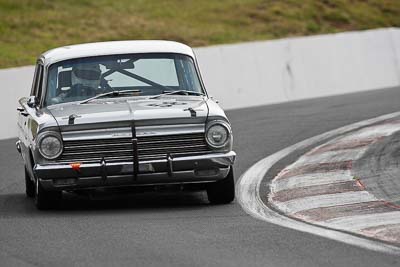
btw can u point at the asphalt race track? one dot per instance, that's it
(182, 229)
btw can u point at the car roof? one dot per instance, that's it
(114, 48)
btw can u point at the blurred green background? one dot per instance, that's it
(29, 27)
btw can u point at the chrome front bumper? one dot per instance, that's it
(180, 170)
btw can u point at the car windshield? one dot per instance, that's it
(137, 74)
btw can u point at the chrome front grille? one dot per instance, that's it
(121, 149)
(157, 147)
(113, 149)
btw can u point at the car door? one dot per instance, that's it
(26, 113)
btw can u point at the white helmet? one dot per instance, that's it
(87, 74)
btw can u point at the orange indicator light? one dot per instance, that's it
(76, 166)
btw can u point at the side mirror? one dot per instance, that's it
(32, 102)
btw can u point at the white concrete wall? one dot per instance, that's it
(14, 84)
(258, 73)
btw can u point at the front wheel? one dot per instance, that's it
(29, 185)
(223, 191)
(45, 199)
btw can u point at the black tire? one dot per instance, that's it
(45, 199)
(29, 185)
(223, 191)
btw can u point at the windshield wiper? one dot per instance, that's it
(110, 94)
(177, 92)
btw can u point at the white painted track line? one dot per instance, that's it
(329, 157)
(311, 179)
(373, 131)
(359, 222)
(248, 191)
(322, 201)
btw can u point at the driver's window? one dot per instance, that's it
(37, 82)
(39, 90)
(35, 78)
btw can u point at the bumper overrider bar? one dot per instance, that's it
(135, 152)
(190, 169)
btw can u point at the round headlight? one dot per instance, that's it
(217, 135)
(50, 145)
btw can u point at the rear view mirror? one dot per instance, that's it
(117, 65)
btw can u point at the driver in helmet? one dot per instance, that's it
(85, 80)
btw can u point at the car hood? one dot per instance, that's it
(141, 111)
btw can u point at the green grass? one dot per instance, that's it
(29, 27)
